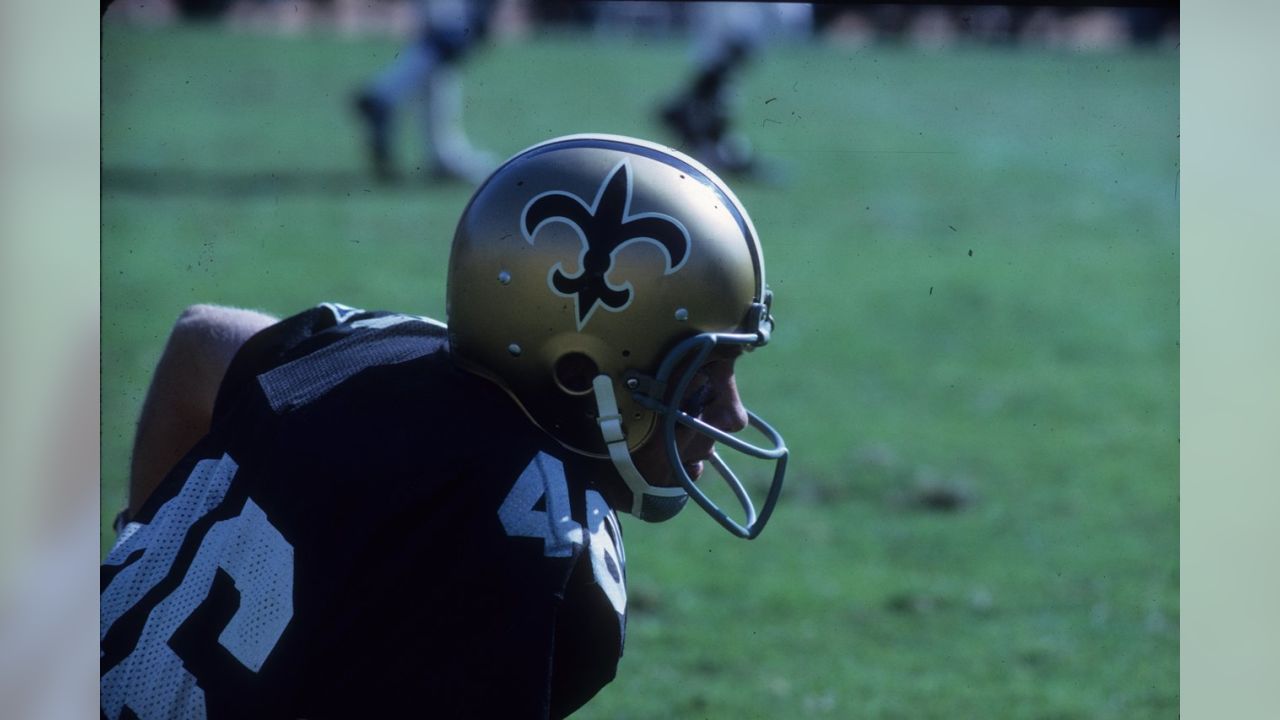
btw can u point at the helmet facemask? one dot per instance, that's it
(665, 394)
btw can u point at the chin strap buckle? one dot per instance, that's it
(610, 421)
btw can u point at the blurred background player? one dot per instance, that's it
(428, 70)
(727, 36)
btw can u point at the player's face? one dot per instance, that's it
(713, 398)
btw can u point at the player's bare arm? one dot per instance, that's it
(179, 403)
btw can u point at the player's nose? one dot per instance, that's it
(726, 412)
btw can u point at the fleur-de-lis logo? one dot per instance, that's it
(605, 227)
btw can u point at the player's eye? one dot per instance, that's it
(698, 399)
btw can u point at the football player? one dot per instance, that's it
(382, 514)
(429, 70)
(727, 36)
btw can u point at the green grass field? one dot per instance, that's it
(976, 273)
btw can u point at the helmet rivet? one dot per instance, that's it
(682, 314)
(504, 277)
(632, 383)
(514, 349)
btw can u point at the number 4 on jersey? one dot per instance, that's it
(538, 507)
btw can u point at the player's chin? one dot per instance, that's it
(698, 458)
(694, 469)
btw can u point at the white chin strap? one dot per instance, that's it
(649, 502)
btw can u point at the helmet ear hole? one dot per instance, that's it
(574, 372)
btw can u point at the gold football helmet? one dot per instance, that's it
(590, 277)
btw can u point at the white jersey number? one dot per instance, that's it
(152, 680)
(538, 507)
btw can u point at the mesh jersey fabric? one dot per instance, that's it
(365, 531)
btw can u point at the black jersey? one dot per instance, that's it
(366, 531)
